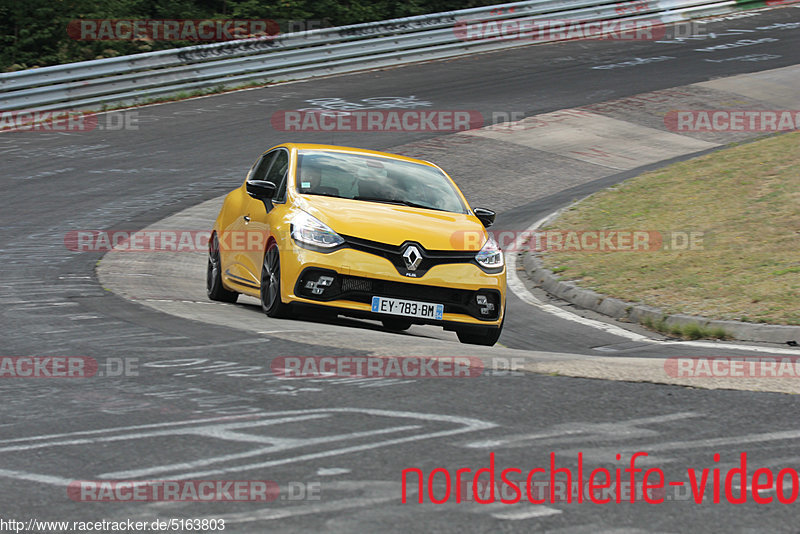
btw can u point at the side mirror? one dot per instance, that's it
(485, 216)
(261, 189)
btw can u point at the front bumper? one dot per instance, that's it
(353, 277)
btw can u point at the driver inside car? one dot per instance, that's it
(311, 180)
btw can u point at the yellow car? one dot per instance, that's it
(362, 233)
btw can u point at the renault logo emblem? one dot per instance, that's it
(412, 257)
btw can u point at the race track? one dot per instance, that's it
(199, 399)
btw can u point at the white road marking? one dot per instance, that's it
(209, 346)
(378, 491)
(280, 444)
(234, 429)
(34, 477)
(526, 513)
(279, 331)
(315, 456)
(748, 489)
(604, 454)
(135, 427)
(153, 434)
(717, 442)
(518, 287)
(331, 471)
(631, 428)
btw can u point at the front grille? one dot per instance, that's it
(360, 289)
(350, 283)
(439, 295)
(393, 253)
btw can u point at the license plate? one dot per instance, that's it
(407, 308)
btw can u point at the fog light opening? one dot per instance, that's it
(485, 307)
(318, 287)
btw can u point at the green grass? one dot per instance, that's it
(688, 331)
(744, 204)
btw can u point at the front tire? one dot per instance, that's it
(214, 288)
(271, 301)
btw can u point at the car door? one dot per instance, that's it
(236, 263)
(257, 218)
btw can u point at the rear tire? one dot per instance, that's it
(396, 324)
(271, 301)
(214, 288)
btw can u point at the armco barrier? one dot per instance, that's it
(140, 77)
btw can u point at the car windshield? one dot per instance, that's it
(376, 179)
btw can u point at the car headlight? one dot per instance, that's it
(490, 256)
(311, 231)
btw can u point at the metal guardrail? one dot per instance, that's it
(141, 77)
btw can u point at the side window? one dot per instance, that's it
(261, 168)
(277, 173)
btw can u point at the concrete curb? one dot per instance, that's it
(636, 313)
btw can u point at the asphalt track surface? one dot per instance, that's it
(349, 438)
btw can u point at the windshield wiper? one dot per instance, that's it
(415, 205)
(379, 199)
(399, 202)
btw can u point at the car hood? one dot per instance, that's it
(394, 224)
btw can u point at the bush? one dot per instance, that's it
(33, 33)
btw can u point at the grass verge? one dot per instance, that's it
(687, 331)
(743, 205)
(184, 95)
